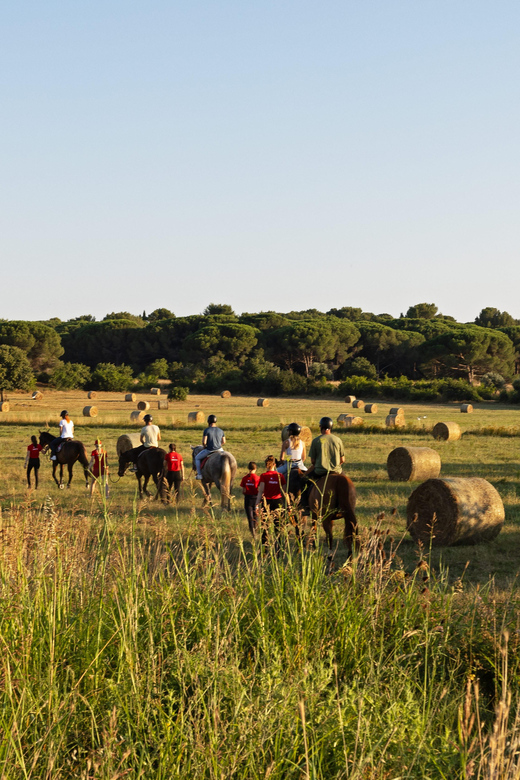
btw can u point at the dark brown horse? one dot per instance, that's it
(219, 468)
(333, 496)
(70, 452)
(150, 463)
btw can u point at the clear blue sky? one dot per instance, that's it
(270, 155)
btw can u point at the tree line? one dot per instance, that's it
(277, 353)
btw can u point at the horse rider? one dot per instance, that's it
(327, 455)
(293, 451)
(66, 427)
(150, 437)
(212, 440)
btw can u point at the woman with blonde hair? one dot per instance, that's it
(293, 451)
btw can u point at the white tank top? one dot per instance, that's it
(294, 454)
(66, 429)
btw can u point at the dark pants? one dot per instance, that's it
(136, 452)
(274, 506)
(174, 482)
(34, 463)
(251, 513)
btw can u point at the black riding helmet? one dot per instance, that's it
(293, 429)
(326, 423)
(148, 418)
(212, 419)
(64, 413)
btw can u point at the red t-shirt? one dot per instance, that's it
(174, 461)
(100, 462)
(272, 484)
(34, 450)
(250, 483)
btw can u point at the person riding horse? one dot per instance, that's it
(150, 437)
(212, 440)
(327, 455)
(66, 427)
(293, 451)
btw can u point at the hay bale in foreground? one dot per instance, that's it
(305, 434)
(446, 431)
(90, 411)
(163, 404)
(4, 406)
(92, 394)
(397, 410)
(370, 408)
(131, 397)
(225, 394)
(358, 404)
(155, 391)
(413, 464)
(196, 417)
(349, 421)
(395, 421)
(455, 511)
(37, 395)
(136, 417)
(143, 406)
(127, 441)
(349, 399)
(263, 402)
(466, 408)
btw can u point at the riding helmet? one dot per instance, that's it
(148, 418)
(212, 419)
(326, 423)
(64, 413)
(293, 429)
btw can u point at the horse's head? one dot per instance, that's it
(124, 462)
(46, 438)
(195, 451)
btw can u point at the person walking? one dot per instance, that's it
(66, 427)
(212, 440)
(175, 473)
(98, 467)
(32, 460)
(249, 485)
(270, 494)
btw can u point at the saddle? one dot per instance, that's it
(205, 460)
(60, 445)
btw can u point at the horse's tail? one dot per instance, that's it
(83, 459)
(226, 476)
(163, 481)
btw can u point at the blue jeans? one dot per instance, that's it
(201, 455)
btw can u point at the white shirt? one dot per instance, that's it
(66, 429)
(150, 435)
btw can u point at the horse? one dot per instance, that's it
(150, 463)
(220, 468)
(70, 452)
(330, 497)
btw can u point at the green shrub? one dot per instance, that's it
(178, 393)
(111, 378)
(70, 376)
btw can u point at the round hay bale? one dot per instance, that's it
(131, 397)
(413, 464)
(349, 421)
(155, 391)
(91, 395)
(136, 417)
(446, 431)
(342, 417)
(37, 395)
(143, 406)
(395, 421)
(127, 441)
(4, 406)
(305, 435)
(163, 403)
(196, 417)
(358, 404)
(370, 408)
(263, 402)
(396, 410)
(455, 511)
(349, 399)
(225, 394)
(90, 411)
(466, 408)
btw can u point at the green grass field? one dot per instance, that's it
(149, 641)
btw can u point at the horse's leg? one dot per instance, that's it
(69, 466)
(328, 526)
(348, 509)
(61, 476)
(54, 467)
(145, 485)
(206, 487)
(138, 476)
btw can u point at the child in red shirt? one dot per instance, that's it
(175, 473)
(270, 491)
(249, 485)
(98, 466)
(32, 460)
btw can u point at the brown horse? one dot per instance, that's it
(70, 452)
(150, 463)
(333, 496)
(219, 468)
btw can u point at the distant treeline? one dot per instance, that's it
(297, 352)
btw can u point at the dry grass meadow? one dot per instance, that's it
(142, 640)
